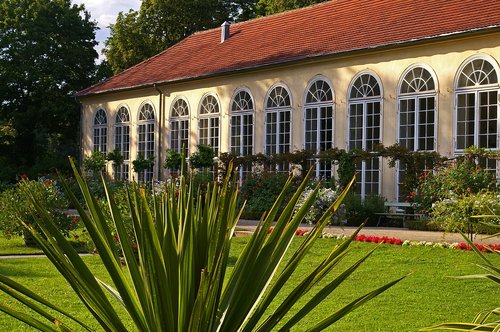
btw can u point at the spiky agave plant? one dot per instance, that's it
(176, 281)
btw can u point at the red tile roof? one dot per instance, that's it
(329, 28)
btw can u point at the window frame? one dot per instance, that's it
(322, 169)
(280, 111)
(100, 131)
(242, 113)
(180, 120)
(476, 91)
(121, 125)
(213, 121)
(364, 101)
(416, 97)
(149, 139)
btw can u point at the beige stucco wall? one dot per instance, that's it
(443, 59)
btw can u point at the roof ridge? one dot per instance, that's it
(271, 16)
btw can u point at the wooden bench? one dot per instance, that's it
(398, 210)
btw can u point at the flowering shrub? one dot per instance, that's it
(260, 190)
(454, 213)
(14, 206)
(460, 177)
(324, 198)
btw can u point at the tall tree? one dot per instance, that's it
(268, 7)
(46, 55)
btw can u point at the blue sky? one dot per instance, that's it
(104, 12)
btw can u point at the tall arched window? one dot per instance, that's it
(179, 126)
(100, 139)
(278, 118)
(208, 126)
(365, 118)
(242, 113)
(417, 115)
(477, 89)
(122, 142)
(318, 123)
(146, 139)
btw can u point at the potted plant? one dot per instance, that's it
(117, 159)
(141, 163)
(173, 162)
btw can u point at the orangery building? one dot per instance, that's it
(343, 73)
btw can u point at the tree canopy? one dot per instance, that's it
(268, 7)
(158, 24)
(46, 55)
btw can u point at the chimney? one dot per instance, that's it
(225, 32)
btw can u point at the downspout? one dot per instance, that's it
(160, 130)
(80, 134)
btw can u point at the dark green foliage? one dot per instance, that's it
(346, 167)
(203, 158)
(15, 206)
(260, 190)
(173, 161)
(95, 163)
(413, 163)
(268, 7)
(358, 210)
(115, 156)
(141, 164)
(202, 179)
(461, 176)
(117, 159)
(46, 55)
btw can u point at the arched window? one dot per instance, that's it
(179, 126)
(122, 142)
(100, 131)
(208, 126)
(278, 118)
(417, 115)
(477, 89)
(242, 113)
(318, 123)
(365, 118)
(146, 139)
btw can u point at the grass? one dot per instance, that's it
(15, 246)
(428, 296)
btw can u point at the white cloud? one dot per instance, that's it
(104, 12)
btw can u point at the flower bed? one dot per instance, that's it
(399, 242)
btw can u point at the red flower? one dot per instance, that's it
(75, 219)
(270, 230)
(300, 232)
(24, 177)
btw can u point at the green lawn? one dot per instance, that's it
(425, 297)
(15, 246)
